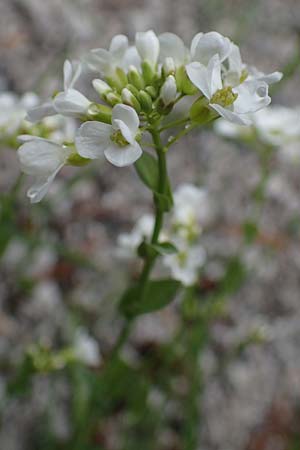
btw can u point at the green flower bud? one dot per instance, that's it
(100, 112)
(145, 101)
(112, 98)
(183, 82)
(148, 72)
(129, 99)
(135, 78)
(133, 89)
(121, 76)
(101, 87)
(152, 92)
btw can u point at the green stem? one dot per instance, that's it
(179, 135)
(159, 213)
(175, 123)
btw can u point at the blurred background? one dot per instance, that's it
(60, 275)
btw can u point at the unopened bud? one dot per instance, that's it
(113, 98)
(129, 99)
(101, 87)
(100, 112)
(169, 66)
(148, 72)
(133, 89)
(184, 84)
(135, 78)
(151, 91)
(168, 91)
(122, 77)
(145, 101)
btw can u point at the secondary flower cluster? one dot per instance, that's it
(192, 210)
(276, 126)
(138, 86)
(13, 110)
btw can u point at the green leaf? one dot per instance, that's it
(156, 295)
(147, 169)
(234, 276)
(165, 248)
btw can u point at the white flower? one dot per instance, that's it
(186, 264)
(69, 102)
(118, 55)
(42, 159)
(172, 47)
(191, 210)
(147, 45)
(117, 141)
(270, 78)
(13, 111)
(86, 348)
(206, 45)
(232, 103)
(168, 92)
(129, 242)
(278, 125)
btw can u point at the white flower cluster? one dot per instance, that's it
(139, 86)
(275, 126)
(192, 210)
(13, 110)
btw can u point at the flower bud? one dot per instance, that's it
(100, 112)
(129, 99)
(148, 72)
(133, 90)
(122, 77)
(184, 84)
(101, 87)
(169, 67)
(113, 98)
(135, 78)
(145, 101)
(151, 91)
(168, 91)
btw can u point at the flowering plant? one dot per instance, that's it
(145, 91)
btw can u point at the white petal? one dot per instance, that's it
(172, 46)
(41, 186)
(40, 156)
(239, 119)
(123, 156)
(214, 74)
(194, 43)
(131, 58)
(92, 139)
(147, 45)
(29, 100)
(234, 59)
(252, 96)
(71, 103)
(98, 59)
(40, 112)
(197, 73)
(126, 132)
(127, 115)
(210, 44)
(72, 72)
(118, 46)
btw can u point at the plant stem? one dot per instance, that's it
(159, 213)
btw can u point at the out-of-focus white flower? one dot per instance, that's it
(168, 91)
(42, 159)
(186, 264)
(232, 103)
(172, 47)
(191, 210)
(117, 141)
(13, 111)
(86, 348)
(290, 153)
(147, 45)
(129, 242)
(278, 125)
